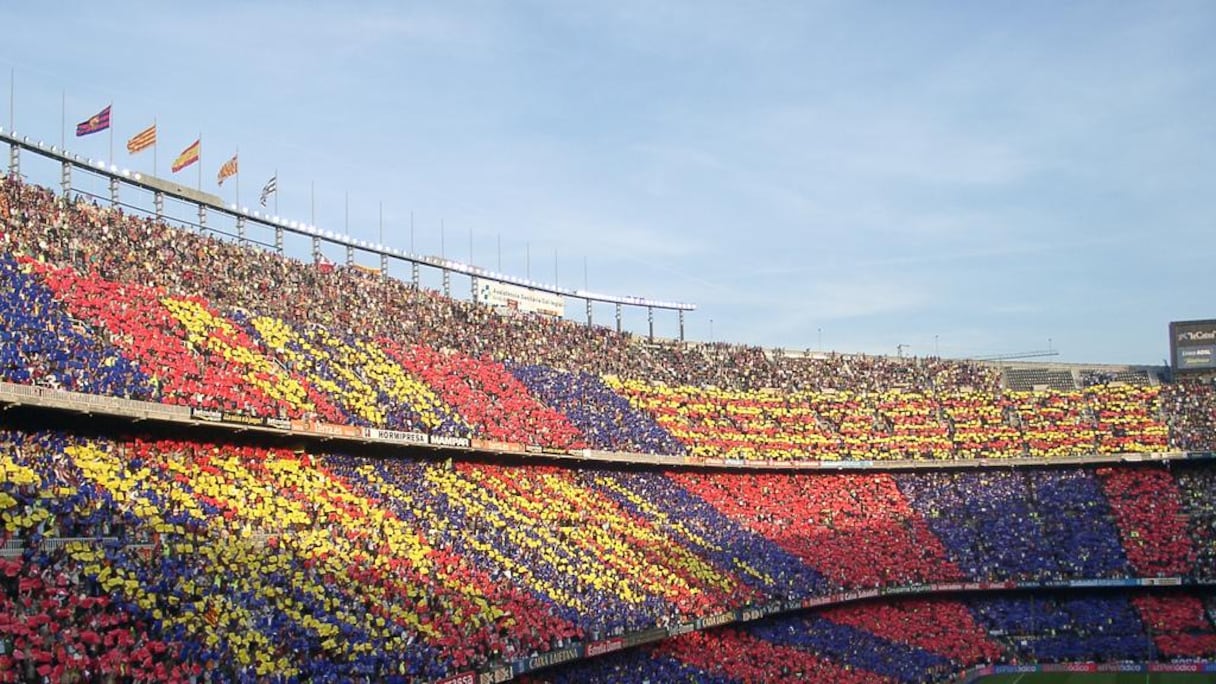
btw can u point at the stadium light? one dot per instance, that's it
(139, 176)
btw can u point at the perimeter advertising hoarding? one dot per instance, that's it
(1193, 345)
(518, 298)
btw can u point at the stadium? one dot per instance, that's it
(204, 479)
(240, 446)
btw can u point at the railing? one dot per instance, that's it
(15, 546)
(1144, 668)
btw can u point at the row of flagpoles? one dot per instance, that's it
(191, 155)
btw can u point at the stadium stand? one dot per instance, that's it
(232, 328)
(921, 640)
(217, 559)
(328, 566)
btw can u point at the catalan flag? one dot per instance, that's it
(96, 123)
(188, 156)
(142, 140)
(228, 170)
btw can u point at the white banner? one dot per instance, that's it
(519, 298)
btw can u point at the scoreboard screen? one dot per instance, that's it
(1193, 345)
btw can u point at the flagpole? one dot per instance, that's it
(200, 161)
(63, 121)
(111, 129)
(276, 192)
(237, 157)
(155, 140)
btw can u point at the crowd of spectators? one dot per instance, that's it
(1149, 512)
(1099, 627)
(1197, 494)
(917, 640)
(858, 530)
(41, 345)
(217, 324)
(328, 566)
(1190, 407)
(1060, 520)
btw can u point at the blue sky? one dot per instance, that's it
(971, 178)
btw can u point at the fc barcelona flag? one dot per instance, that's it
(188, 156)
(96, 123)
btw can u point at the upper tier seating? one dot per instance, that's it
(100, 301)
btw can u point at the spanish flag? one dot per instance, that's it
(96, 123)
(188, 156)
(142, 140)
(228, 170)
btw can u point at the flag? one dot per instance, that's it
(324, 265)
(188, 156)
(271, 187)
(98, 122)
(228, 170)
(142, 140)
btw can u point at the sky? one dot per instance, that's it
(960, 179)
